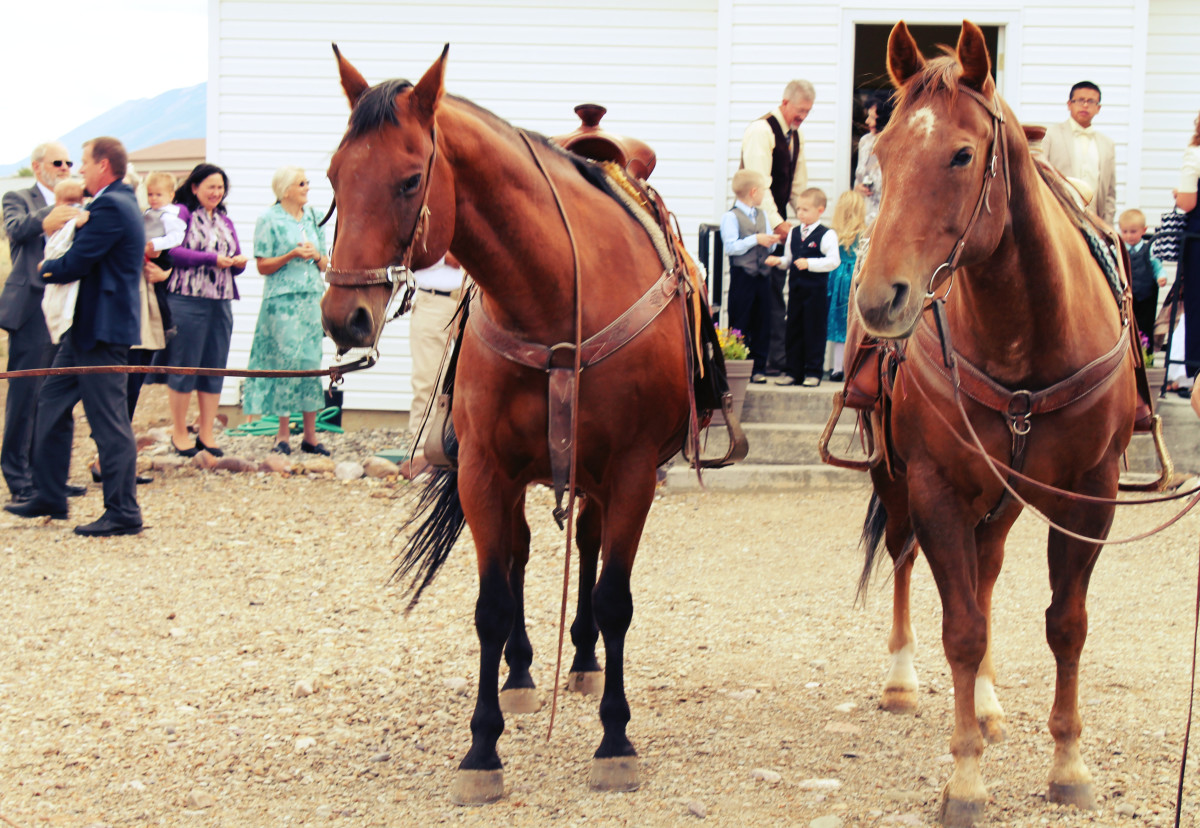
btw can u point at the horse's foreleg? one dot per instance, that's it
(585, 676)
(1071, 564)
(948, 540)
(990, 543)
(614, 766)
(480, 778)
(519, 693)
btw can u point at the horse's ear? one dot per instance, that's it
(353, 83)
(904, 56)
(973, 56)
(430, 87)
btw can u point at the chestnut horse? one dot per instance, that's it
(967, 215)
(493, 196)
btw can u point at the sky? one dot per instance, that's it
(71, 60)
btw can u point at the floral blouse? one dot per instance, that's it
(196, 273)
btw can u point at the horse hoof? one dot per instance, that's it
(590, 683)
(960, 813)
(618, 773)
(477, 787)
(1080, 795)
(901, 700)
(520, 700)
(994, 729)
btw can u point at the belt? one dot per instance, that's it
(452, 294)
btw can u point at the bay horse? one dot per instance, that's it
(967, 214)
(420, 172)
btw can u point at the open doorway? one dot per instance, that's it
(870, 65)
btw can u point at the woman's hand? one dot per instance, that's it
(224, 261)
(154, 274)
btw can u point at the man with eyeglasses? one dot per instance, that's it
(29, 343)
(1077, 150)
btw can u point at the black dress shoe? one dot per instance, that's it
(187, 452)
(34, 508)
(836, 376)
(21, 495)
(76, 491)
(213, 450)
(106, 527)
(309, 448)
(142, 480)
(282, 447)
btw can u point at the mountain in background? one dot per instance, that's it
(139, 124)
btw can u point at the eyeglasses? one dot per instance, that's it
(60, 163)
(1084, 102)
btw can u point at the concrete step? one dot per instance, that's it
(790, 444)
(793, 404)
(758, 476)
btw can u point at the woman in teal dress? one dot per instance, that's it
(289, 248)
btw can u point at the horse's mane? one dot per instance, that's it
(938, 74)
(375, 108)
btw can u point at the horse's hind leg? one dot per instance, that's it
(614, 766)
(519, 693)
(900, 687)
(585, 676)
(1071, 564)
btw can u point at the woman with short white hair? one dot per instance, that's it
(289, 248)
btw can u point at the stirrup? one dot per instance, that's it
(1166, 468)
(874, 439)
(739, 446)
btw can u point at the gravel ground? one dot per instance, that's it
(245, 662)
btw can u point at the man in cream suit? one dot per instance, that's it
(29, 345)
(1078, 151)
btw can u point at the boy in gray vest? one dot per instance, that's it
(748, 241)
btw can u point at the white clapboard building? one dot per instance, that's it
(685, 76)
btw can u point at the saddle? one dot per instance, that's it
(679, 283)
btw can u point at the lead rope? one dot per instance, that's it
(570, 516)
(1187, 731)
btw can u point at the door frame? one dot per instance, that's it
(1008, 19)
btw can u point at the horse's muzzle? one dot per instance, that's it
(354, 330)
(888, 310)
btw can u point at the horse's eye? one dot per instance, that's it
(961, 158)
(411, 184)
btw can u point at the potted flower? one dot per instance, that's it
(738, 368)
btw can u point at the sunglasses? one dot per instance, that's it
(61, 163)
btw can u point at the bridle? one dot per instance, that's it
(396, 276)
(997, 162)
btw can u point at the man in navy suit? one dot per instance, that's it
(29, 345)
(106, 259)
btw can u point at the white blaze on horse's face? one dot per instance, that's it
(923, 120)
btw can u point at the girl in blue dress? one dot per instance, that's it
(850, 223)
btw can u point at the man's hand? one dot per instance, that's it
(57, 218)
(782, 230)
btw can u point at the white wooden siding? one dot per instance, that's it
(684, 76)
(652, 64)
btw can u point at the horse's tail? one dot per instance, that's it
(430, 545)
(873, 533)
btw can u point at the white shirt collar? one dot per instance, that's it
(1076, 129)
(47, 193)
(744, 207)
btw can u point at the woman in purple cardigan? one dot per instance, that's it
(200, 294)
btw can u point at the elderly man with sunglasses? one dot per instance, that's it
(29, 343)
